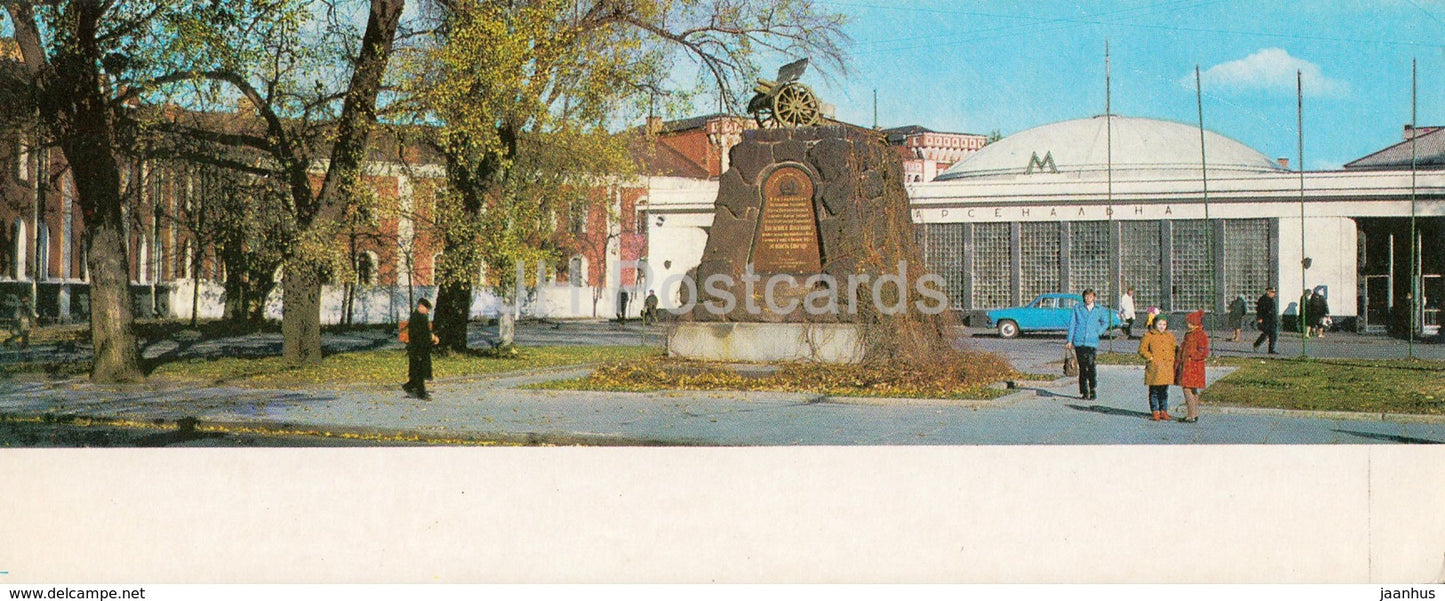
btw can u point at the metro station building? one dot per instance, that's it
(1060, 208)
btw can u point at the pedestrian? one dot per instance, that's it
(1126, 312)
(1088, 322)
(23, 322)
(649, 308)
(1304, 315)
(1237, 309)
(418, 350)
(1266, 318)
(1159, 348)
(1192, 353)
(622, 306)
(1319, 309)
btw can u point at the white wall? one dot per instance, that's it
(1330, 243)
(178, 298)
(672, 251)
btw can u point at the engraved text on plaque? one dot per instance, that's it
(787, 238)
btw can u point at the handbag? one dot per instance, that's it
(1071, 363)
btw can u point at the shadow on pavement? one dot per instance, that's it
(1389, 437)
(166, 439)
(1110, 411)
(1047, 394)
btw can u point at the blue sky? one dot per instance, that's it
(1009, 66)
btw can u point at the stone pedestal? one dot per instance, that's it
(817, 207)
(765, 342)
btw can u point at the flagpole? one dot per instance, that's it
(1109, 177)
(1304, 282)
(1204, 182)
(1414, 246)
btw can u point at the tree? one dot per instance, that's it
(524, 92)
(73, 54)
(259, 50)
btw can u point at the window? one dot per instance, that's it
(22, 160)
(1046, 303)
(578, 219)
(187, 258)
(577, 271)
(1192, 260)
(1067, 303)
(436, 268)
(1246, 257)
(366, 268)
(640, 224)
(42, 251)
(992, 274)
(142, 261)
(1089, 256)
(1040, 244)
(18, 266)
(1140, 245)
(943, 247)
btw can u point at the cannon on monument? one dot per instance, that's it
(785, 102)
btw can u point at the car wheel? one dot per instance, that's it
(1008, 329)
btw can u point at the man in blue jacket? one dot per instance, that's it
(1088, 323)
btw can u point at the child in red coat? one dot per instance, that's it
(1192, 353)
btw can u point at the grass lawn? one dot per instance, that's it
(383, 366)
(969, 377)
(1364, 385)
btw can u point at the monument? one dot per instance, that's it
(811, 254)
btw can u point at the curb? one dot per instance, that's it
(1333, 415)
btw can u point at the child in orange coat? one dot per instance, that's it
(1159, 348)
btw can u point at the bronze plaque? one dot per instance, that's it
(787, 239)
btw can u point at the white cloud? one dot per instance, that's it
(1270, 70)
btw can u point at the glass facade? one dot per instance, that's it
(992, 272)
(1141, 261)
(1194, 266)
(1246, 257)
(1192, 263)
(1039, 247)
(1089, 256)
(943, 250)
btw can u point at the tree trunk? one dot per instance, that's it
(301, 320)
(453, 310)
(301, 325)
(347, 304)
(195, 287)
(77, 111)
(117, 359)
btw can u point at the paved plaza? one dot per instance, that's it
(499, 409)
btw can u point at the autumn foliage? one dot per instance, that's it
(967, 374)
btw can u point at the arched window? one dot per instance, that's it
(577, 271)
(366, 268)
(142, 261)
(42, 251)
(436, 268)
(188, 257)
(18, 266)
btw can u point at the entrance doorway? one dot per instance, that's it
(1376, 298)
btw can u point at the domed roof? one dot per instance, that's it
(1079, 147)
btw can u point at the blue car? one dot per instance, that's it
(1047, 313)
